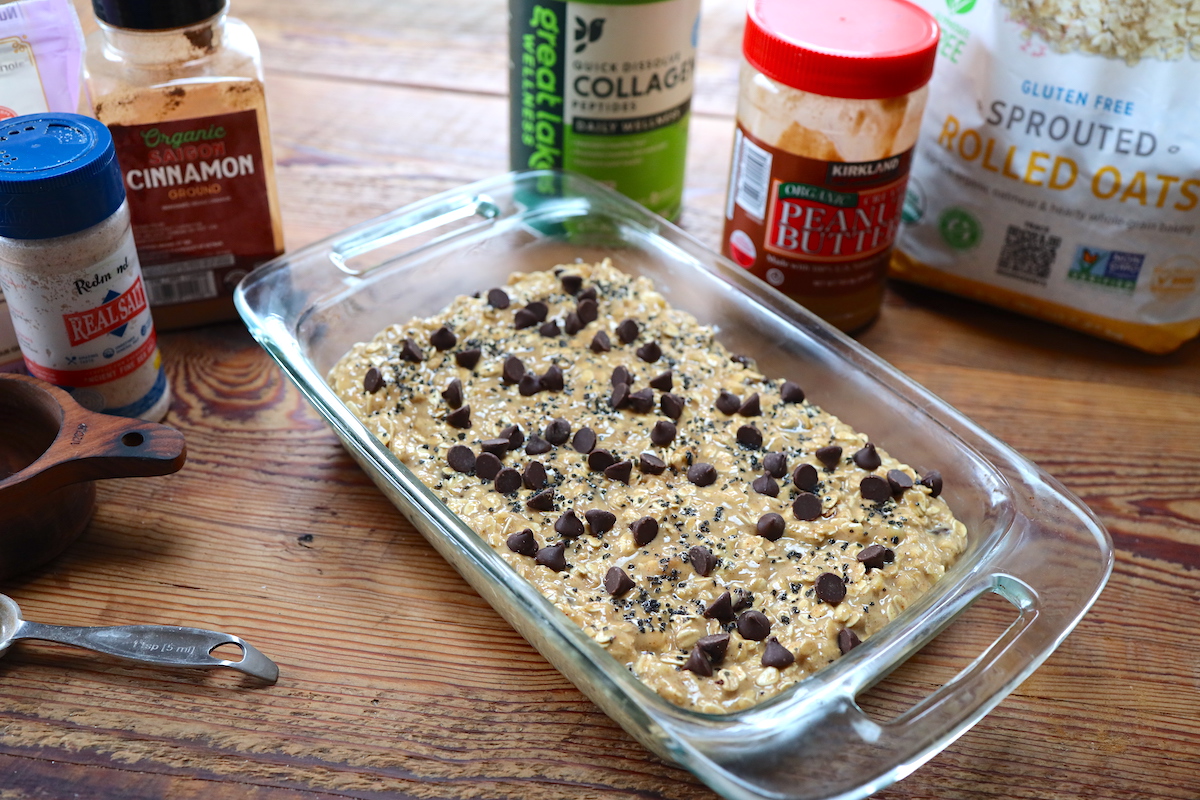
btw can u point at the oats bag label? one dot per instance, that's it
(812, 227)
(605, 90)
(1059, 171)
(103, 331)
(198, 198)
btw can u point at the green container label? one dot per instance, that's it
(605, 90)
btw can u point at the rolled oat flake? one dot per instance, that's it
(69, 268)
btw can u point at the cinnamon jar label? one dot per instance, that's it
(198, 197)
(810, 227)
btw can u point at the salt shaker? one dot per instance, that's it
(69, 268)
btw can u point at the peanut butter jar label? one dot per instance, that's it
(198, 197)
(808, 227)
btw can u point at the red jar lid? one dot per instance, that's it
(842, 48)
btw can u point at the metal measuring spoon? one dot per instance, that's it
(161, 645)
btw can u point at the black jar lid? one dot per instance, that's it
(155, 15)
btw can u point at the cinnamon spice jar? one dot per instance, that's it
(179, 85)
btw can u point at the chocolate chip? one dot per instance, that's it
(549, 329)
(443, 338)
(627, 331)
(720, 609)
(728, 403)
(571, 283)
(553, 556)
(831, 588)
(568, 525)
(487, 466)
(508, 480)
(513, 370)
(619, 471)
(600, 460)
(558, 431)
(765, 484)
(534, 476)
(714, 646)
(805, 477)
(461, 458)
(467, 359)
(777, 656)
(830, 456)
(619, 396)
(588, 310)
(847, 640)
(671, 405)
(459, 418)
(664, 381)
(867, 458)
(621, 375)
(644, 530)
(876, 556)
(742, 599)
(641, 401)
(702, 560)
(702, 474)
(749, 437)
(649, 352)
(552, 379)
(536, 446)
(754, 625)
(409, 351)
(899, 481)
(453, 393)
(875, 489)
(497, 447)
(651, 464)
(529, 385)
(699, 663)
(600, 521)
(522, 543)
(524, 318)
(750, 408)
(663, 433)
(770, 526)
(538, 309)
(589, 294)
(617, 582)
(372, 381)
(933, 481)
(775, 464)
(600, 343)
(514, 436)
(806, 507)
(791, 393)
(572, 324)
(745, 361)
(497, 298)
(542, 501)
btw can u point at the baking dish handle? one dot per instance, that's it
(825, 746)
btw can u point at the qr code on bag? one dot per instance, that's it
(1028, 253)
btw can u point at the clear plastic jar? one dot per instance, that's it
(829, 107)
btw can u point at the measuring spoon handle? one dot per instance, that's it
(161, 645)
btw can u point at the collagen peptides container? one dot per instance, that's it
(830, 103)
(69, 268)
(180, 86)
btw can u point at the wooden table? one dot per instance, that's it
(397, 679)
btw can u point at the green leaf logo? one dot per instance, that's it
(960, 6)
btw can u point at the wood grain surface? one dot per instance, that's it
(397, 680)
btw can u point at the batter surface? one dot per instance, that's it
(713, 530)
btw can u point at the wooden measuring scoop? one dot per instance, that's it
(51, 451)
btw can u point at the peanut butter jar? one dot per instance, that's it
(829, 108)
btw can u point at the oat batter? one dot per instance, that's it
(718, 534)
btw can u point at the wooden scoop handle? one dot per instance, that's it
(92, 446)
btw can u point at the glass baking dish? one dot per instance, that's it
(1031, 542)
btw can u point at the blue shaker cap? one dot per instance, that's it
(58, 175)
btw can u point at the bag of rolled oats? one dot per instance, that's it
(1058, 172)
